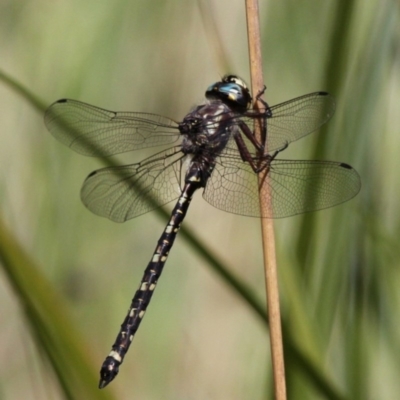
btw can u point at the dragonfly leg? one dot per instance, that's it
(250, 135)
(263, 102)
(245, 155)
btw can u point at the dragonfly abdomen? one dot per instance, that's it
(140, 301)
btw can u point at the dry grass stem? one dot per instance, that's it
(270, 267)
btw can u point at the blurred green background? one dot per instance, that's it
(68, 275)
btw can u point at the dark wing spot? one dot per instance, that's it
(344, 165)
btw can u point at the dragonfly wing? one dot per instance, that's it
(125, 192)
(232, 186)
(297, 118)
(294, 187)
(93, 131)
(292, 120)
(298, 186)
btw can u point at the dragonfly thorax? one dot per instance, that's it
(207, 128)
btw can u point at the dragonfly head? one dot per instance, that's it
(232, 91)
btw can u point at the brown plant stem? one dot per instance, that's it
(267, 228)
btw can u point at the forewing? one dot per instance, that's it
(297, 118)
(93, 131)
(293, 119)
(122, 193)
(295, 187)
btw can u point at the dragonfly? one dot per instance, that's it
(214, 148)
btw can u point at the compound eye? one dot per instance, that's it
(235, 95)
(234, 79)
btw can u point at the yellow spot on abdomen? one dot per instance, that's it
(115, 356)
